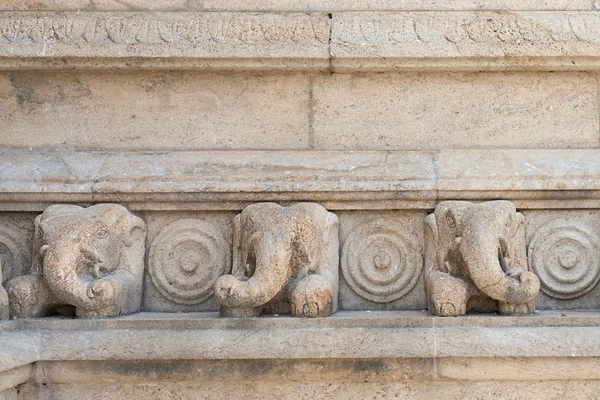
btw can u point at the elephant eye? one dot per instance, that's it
(102, 233)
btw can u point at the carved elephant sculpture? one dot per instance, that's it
(285, 259)
(476, 260)
(90, 258)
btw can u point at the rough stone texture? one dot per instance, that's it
(153, 111)
(378, 110)
(441, 111)
(476, 259)
(363, 180)
(292, 5)
(320, 41)
(188, 252)
(285, 259)
(309, 390)
(88, 258)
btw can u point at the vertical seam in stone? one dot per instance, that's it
(330, 55)
(435, 369)
(311, 114)
(598, 106)
(437, 177)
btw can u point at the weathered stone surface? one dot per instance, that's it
(190, 36)
(339, 180)
(153, 111)
(89, 258)
(292, 5)
(563, 252)
(454, 390)
(285, 260)
(382, 260)
(476, 259)
(331, 39)
(443, 111)
(189, 251)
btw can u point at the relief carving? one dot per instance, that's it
(11, 256)
(190, 28)
(285, 259)
(465, 27)
(379, 262)
(564, 254)
(476, 260)
(186, 258)
(90, 258)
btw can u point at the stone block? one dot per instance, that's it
(382, 260)
(180, 111)
(293, 5)
(187, 253)
(564, 251)
(451, 111)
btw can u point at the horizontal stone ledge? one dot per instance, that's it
(292, 5)
(347, 335)
(328, 370)
(301, 41)
(229, 180)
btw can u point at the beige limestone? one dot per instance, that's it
(382, 260)
(289, 5)
(476, 259)
(285, 260)
(310, 390)
(87, 258)
(563, 250)
(425, 111)
(339, 180)
(154, 111)
(191, 250)
(330, 40)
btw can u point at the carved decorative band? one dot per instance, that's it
(378, 262)
(186, 258)
(564, 255)
(189, 28)
(465, 27)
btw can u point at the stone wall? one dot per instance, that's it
(188, 112)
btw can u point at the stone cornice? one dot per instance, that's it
(296, 41)
(215, 180)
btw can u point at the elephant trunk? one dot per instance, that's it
(272, 271)
(60, 263)
(483, 254)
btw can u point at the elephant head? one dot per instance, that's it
(89, 258)
(484, 244)
(274, 249)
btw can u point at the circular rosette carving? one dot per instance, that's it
(564, 255)
(186, 258)
(379, 262)
(11, 257)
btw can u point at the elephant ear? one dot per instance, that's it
(305, 240)
(134, 230)
(431, 246)
(37, 258)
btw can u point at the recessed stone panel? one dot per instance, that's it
(382, 260)
(564, 251)
(187, 253)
